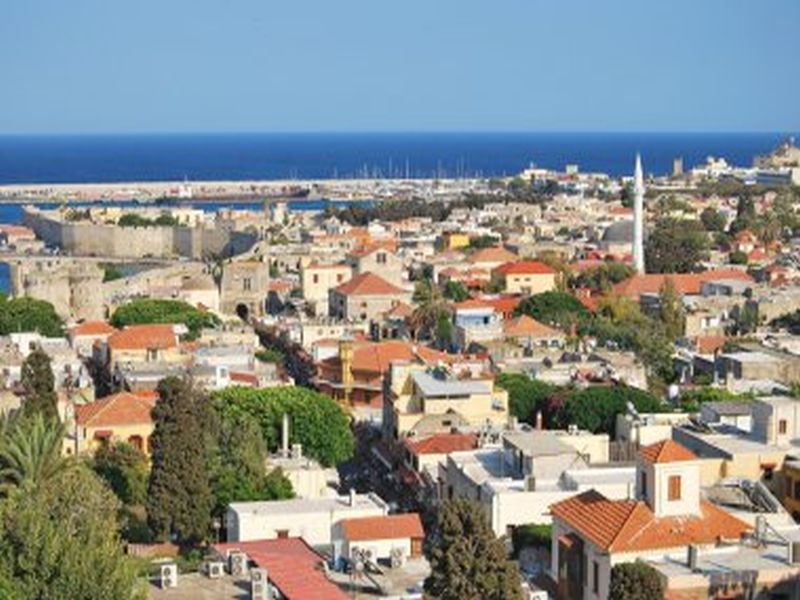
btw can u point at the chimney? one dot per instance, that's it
(352, 497)
(285, 436)
(539, 420)
(297, 451)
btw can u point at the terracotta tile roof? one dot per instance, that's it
(246, 378)
(708, 344)
(685, 283)
(473, 304)
(119, 409)
(630, 525)
(17, 231)
(442, 443)
(143, 337)
(503, 304)
(666, 451)
(525, 326)
(368, 284)
(376, 357)
(525, 267)
(389, 245)
(92, 328)
(494, 254)
(387, 527)
(401, 310)
(292, 566)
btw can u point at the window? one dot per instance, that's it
(282, 534)
(381, 258)
(247, 284)
(797, 489)
(674, 487)
(644, 484)
(315, 278)
(782, 426)
(585, 569)
(595, 577)
(339, 278)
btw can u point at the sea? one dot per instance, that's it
(256, 156)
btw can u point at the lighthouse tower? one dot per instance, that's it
(638, 217)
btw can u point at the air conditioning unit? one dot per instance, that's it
(169, 576)
(259, 585)
(572, 429)
(237, 564)
(397, 558)
(215, 569)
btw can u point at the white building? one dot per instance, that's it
(312, 519)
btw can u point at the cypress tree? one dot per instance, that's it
(38, 384)
(467, 561)
(179, 495)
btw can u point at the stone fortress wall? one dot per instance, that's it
(100, 239)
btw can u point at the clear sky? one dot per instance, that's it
(408, 65)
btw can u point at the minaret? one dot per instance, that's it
(638, 217)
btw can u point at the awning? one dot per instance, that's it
(102, 434)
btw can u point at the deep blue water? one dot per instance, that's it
(109, 158)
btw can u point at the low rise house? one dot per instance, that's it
(475, 321)
(83, 336)
(525, 277)
(667, 516)
(312, 519)
(365, 297)
(317, 279)
(381, 536)
(379, 257)
(141, 344)
(122, 417)
(423, 400)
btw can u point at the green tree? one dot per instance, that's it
(179, 496)
(671, 310)
(526, 396)
(737, 257)
(431, 306)
(712, 219)
(595, 409)
(467, 561)
(38, 385)
(62, 542)
(554, 308)
(317, 421)
(148, 310)
(27, 314)
(603, 277)
(455, 291)
(125, 469)
(676, 246)
(238, 469)
(133, 220)
(31, 452)
(635, 581)
(112, 273)
(745, 214)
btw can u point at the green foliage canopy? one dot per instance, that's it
(317, 421)
(149, 310)
(635, 581)
(554, 308)
(525, 395)
(28, 314)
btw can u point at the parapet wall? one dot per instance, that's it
(99, 239)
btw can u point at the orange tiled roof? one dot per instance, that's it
(17, 231)
(442, 443)
(493, 254)
(119, 409)
(666, 451)
(472, 303)
(387, 527)
(525, 267)
(144, 337)
(503, 304)
(525, 326)
(368, 284)
(630, 525)
(377, 356)
(390, 245)
(92, 328)
(401, 310)
(708, 344)
(685, 283)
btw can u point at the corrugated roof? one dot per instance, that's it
(292, 566)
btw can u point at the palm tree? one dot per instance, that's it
(31, 452)
(431, 305)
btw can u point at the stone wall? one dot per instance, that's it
(100, 239)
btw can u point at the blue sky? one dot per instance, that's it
(411, 65)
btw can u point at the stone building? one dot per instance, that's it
(244, 289)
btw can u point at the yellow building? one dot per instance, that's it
(122, 417)
(525, 277)
(452, 240)
(425, 401)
